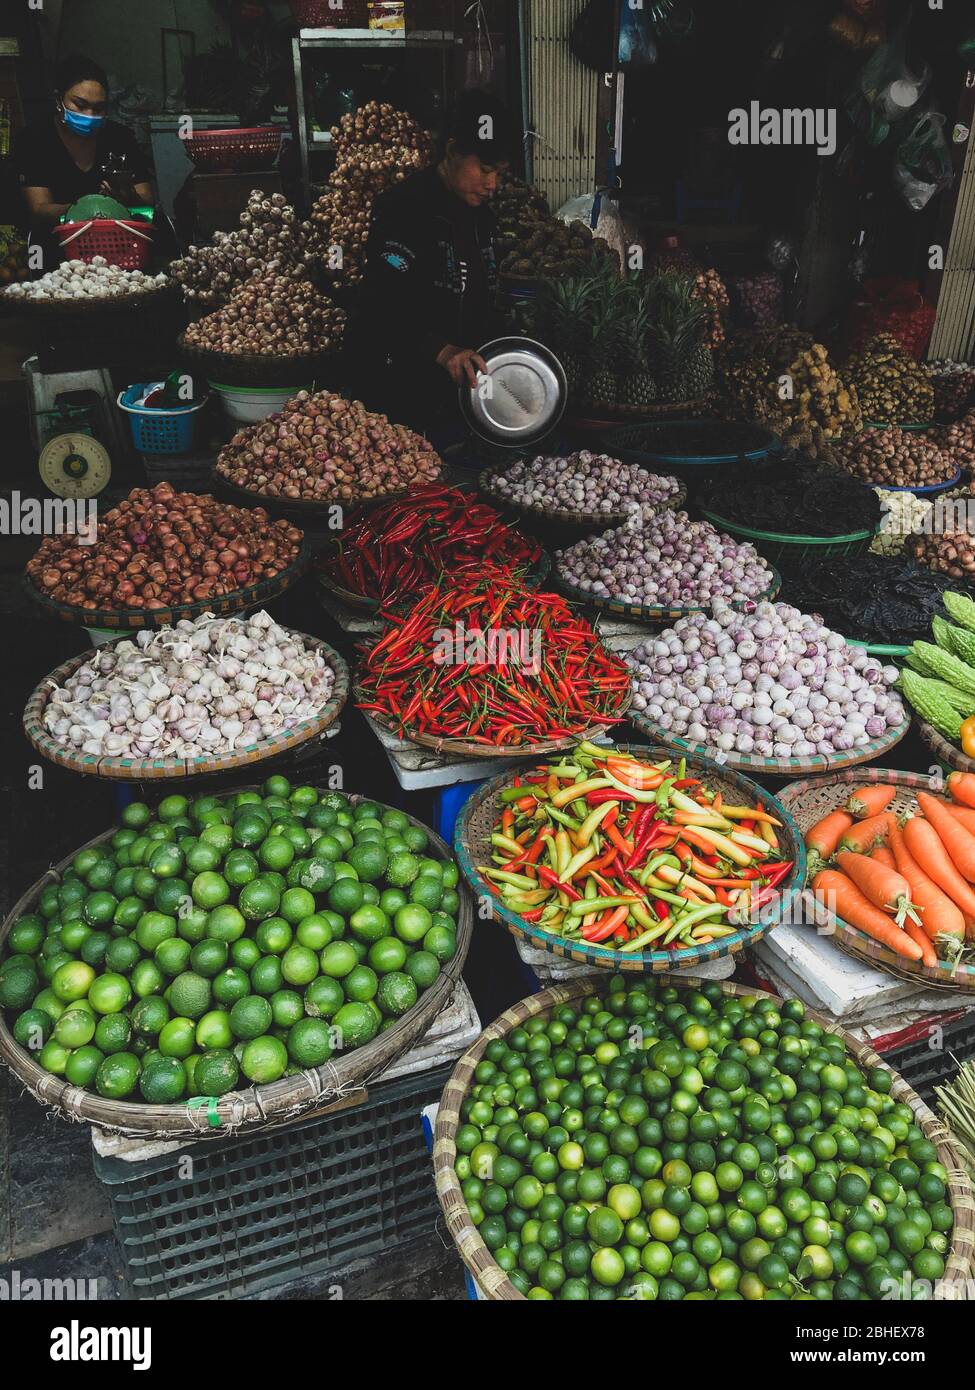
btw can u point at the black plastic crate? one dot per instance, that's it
(257, 1211)
(934, 1058)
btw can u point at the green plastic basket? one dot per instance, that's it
(787, 552)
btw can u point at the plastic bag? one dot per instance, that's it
(923, 165)
(608, 220)
(886, 90)
(890, 305)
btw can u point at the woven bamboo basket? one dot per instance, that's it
(251, 596)
(491, 1279)
(472, 846)
(263, 369)
(158, 769)
(590, 521)
(90, 306)
(256, 1106)
(775, 767)
(948, 753)
(605, 416)
(650, 613)
(807, 802)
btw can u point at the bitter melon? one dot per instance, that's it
(931, 705)
(962, 643)
(916, 663)
(941, 631)
(961, 609)
(958, 699)
(945, 666)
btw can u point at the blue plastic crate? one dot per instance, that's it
(159, 431)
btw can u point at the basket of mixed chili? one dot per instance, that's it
(401, 547)
(487, 667)
(631, 859)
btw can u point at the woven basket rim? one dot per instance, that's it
(598, 520)
(481, 1263)
(254, 1106)
(116, 304)
(605, 956)
(226, 604)
(776, 767)
(736, 528)
(850, 938)
(254, 359)
(306, 505)
(711, 460)
(944, 750)
(636, 415)
(142, 769)
(652, 613)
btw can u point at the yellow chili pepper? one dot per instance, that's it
(968, 737)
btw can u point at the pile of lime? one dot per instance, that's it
(684, 1144)
(228, 940)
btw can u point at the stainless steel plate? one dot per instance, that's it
(522, 397)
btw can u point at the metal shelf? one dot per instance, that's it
(373, 38)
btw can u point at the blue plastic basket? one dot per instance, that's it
(159, 431)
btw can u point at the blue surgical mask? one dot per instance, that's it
(81, 124)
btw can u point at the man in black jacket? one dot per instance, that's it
(427, 298)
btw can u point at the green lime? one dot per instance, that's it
(173, 807)
(113, 1032)
(118, 1076)
(338, 959)
(189, 995)
(314, 931)
(369, 923)
(264, 1059)
(146, 978)
(402, 869)
(216, 1073)
(397, 993)
(82, 1066)
(99, 908)
(19, 982)
(109, 993)
(230, 985)
(163, 1080)
(26, 936)
(266, 976)
(427, 891)
(345, 896)
(121, 955)
(172, 957)
(48, 1001)
(324, 996)
(166, 861)
(441, 943)
(423, 968)
(356, 1023)
(136, 816)
(153, 928)
(299, 965)
(277, 853)
(225, 923)
(250, 1017)
(53, 1057)
(245, 953)
(209, 957)
(75, 1028)
(361, 984)
(70, 981)
(287, 1006)
(149, 1016)
(214, 1030)
(297, 904)
(327, 849)
(258, 900)
(412, 922)
(387, 954)
(177, 1038)
(219, 835)
(369, 859)
(209, 890)
(32, 1029)
(309, 1042)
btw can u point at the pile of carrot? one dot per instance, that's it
(906, 883)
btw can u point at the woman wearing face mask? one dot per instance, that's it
(65, 157)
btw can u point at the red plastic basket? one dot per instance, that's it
(319, 14)
(123, 243)
(250, 147)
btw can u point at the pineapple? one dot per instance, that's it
(602, 387)
(679, 358)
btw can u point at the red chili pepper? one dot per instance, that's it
(777, 873)
(553, 881)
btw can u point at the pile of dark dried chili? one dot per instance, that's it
(871, 598)
(492, 662)
(402, 546)
(793, 497)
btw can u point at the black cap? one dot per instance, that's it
(479, 124)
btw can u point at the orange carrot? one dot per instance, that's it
(942, 921)
(964, 815)
(870, 801)
(822, 838)
(961, 788)
(885, 888)
(863, 836)
(882, 855)
(926, 847)
(842, 897)
(955, 838)
(929, 955)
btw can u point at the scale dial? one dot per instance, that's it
(74, 465)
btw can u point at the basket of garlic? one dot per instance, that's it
(84, 286)
(904, 514)
(203, 696)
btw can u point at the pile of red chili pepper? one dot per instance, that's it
(603, 848)
(404, 545)
(493, 662)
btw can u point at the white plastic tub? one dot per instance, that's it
(245, 404)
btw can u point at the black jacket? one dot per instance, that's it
(421, 290)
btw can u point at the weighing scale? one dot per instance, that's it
(74, 465)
